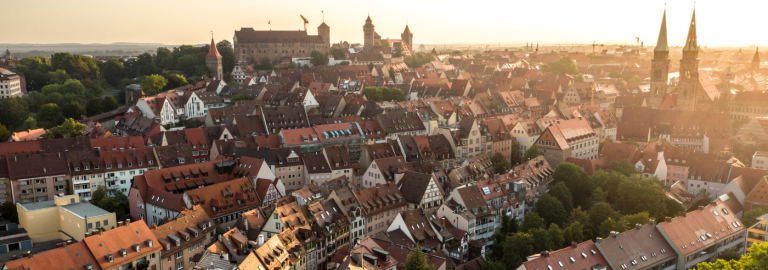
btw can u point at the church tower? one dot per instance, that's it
(213, 62)
(689, 70)
(660, 66)
(324, 31)
(756, 61)
(407, 38)
(368, 31)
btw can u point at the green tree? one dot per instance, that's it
(108, 104)
(549, 208)
(636, 79)
(508, 225)
(68, 129)
(398, 51)
(579, 78)
(191, 64)
(318, 59)
(729, 255)
(629, 221)
(541, 240)
(630, 141)
(624, 166)
(556, 234)
(531, 153)
(164, 58)
(113, 71)
(111, 205)
(8, 211)
(98, 195)
(456, 53)
(562, 194)
(74, 87)
(194, 123)
(58, 77)
(35, 70)
(227, 55)
(13, 112)
(577, 182)
(145, 64)
(373, 93)
(392, 94)
(29, 124)
(153, 83)
(573, 233)
(174, 81)
(338, 53)
(532, 221)
(417, 60)
(493, 264)
(344, 63)
(417, 260)
(50, 115)
(750, 217)
(563, 66)
(73, 110)
(609, 225)
(94, 106)
(238, 98)
(756, 258)
(516, 248)
(598, 195)
(646, 194)
(77, 66)
(391, 72)
(674, 207)
(292, 65)
(500, 164)
(615, 75)
(370, 66)
(599, 213)
(578, 215)
(515, 153)
(264, 63)
(5, 135)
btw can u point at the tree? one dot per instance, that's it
(508, 225)
(493, 264)
(456, 53)
(598, 195)
(77, 66)
(164, 58)
(318, 59)
(113, 71)
(598, 214)
(531, 153)
(35, 70)
(175, 81)
(576, 181)
(674, 207)
(630, 141)
(238, 98)
(563, 66)
(8, 211)
(417, 60)
(98, 195)
(562, 194)
(541, 240)
(194, 123)
(29, 124)
(5, 135)
(338, 53)
(549, 208)
(50, 115)
(108, 104)
(59, 76)
(111, 205)
(573, 233)
(264, 63)
(623, 166)
(636, 79)
(750, 217)
(500, 164)
(579, 78)
(757, 258)
(391, 72)
(191, 64)
(398, 51)
(392, 94)
(73, 110)
(13, 112)
(644, 194)
(532, 221)
(145, 65)
(516, 248)
(609, 225)
(153, 83)
(556, 234)
(227, 53)
(615, 75)
(292, 65)
(629, 221)
(68, 129)
(729, 255)
(416, 260)
(94, 106)
(344, 63)
(373, 93)
(370, 66)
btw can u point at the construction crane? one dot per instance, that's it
(305, 22)
(594, 44)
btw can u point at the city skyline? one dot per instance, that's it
(721, 24)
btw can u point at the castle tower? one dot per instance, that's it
(368, 35)
(407, 38)
(756, 60)
(689, 70)
(213, 62)
(660, 66)
(324, 31)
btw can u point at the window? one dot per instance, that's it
(179, 254)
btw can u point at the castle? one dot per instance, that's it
(370, 38)
(251, 45)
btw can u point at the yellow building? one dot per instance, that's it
(758, 233)
(63, 218)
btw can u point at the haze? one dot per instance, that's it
(721, 23)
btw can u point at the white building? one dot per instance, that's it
(10, 84)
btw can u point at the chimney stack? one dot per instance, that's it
(545, 254)
(639, 227)
(682, 214)
(598, 240)
(574, 244)
(651, 222)
(668, 219)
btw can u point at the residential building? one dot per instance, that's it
(282, 252)
(316, 168)
(396, 124)
(760, 160)
(289, 167)
(758, 233)
(568, 138)
(649, 249)
(10, 84)
(87, 171)
(37, 177)
(380, 205)
(339, 161)
(184, 238)
(369, 254)
(127, 246)
(225, 201)
(62, 218)
(576, 256)
(385, 170)
(421, 191)
(121, 166)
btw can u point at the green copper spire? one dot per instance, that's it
(661, 43)
(690, 42)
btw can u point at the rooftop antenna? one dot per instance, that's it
(323, 11)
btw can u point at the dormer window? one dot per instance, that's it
(87, 168)
(96, 167)
(109, 166)
(151, 161)
(130, 164)
(119, 165)
(77, 169)
(139, 164)
(123, 253)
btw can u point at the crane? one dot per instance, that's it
(593, 46)
(305, 22)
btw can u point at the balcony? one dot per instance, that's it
(3, 185)
(26, 196)
(81, 181)
(113, 178)
(41, 185)
(25, 187)
(41, 194)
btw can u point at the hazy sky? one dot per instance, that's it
(547, 21)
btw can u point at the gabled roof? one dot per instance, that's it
(414, 185)
(696, 230)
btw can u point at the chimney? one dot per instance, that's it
(682, 214)
(598, 240)
(639, 227)
(701, 208)
(119, 223)
(615, 234)
(574, 244)
(154, 226)
(127, 221)
(545, 254)
(651, 222)
(668, 219)
(713, 203)
(14, 257)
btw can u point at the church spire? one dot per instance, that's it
(661, 42)
(212, 51)
(690, 42)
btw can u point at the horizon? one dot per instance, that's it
(721, 24)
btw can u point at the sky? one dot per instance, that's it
(720, 23)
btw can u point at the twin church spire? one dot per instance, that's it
(691, 43)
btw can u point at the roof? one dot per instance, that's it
(125, 237)
(661, 42)
(696, 230)
(645, 246)
(85, 210)
(188, 223)
(224, 198)
(249, 35)
(74, 256)
(213, 52)
(414, 185)
(29, 165)
(116, 143)
(581, 256)
(377, 199)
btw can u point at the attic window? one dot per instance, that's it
(109, 166)
(77, 169)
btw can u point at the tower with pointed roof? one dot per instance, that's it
(407, 38)
(324, 31)
(756, 60)
(368, 32)
(213, 62)
(660, 66)
(689, 70)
